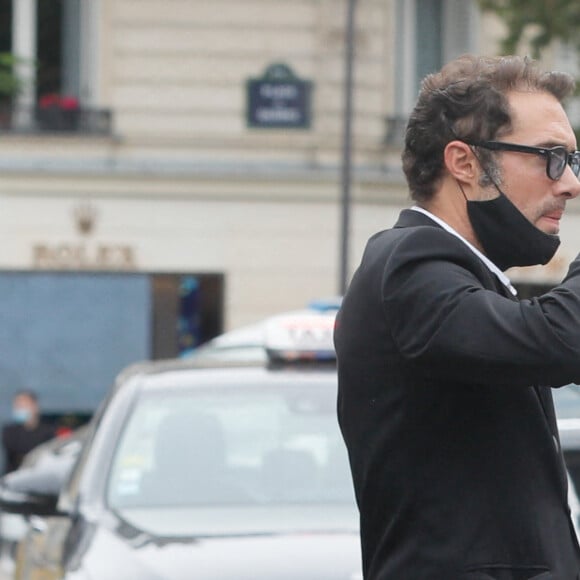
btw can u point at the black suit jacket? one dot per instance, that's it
(18, 440)
(452, 439)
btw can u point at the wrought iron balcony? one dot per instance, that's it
(55, 120)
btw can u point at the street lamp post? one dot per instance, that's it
(346, 174)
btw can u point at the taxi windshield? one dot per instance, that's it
(242, 446)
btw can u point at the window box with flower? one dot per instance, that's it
(58, 112)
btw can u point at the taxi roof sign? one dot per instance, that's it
(304, 336)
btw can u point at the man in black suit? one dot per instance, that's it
(444, 376)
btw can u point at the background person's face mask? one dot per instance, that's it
(21, 415)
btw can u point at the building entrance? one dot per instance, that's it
(67, 335)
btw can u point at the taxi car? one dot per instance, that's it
(203, 469)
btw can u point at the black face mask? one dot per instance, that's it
(508, 238)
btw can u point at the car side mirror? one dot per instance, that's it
(31, 491)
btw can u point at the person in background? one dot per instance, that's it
(26, 430)
(445, 377)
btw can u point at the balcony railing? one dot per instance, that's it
(55, 120)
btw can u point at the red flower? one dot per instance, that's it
(50, 100)
(69, 103)
(66, 103)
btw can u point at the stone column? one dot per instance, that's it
(24, 48)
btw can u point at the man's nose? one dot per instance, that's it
(570, 184)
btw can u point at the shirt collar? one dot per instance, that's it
(491, 266)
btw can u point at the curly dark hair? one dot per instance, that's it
(467, 99)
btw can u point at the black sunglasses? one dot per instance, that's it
(556, 157)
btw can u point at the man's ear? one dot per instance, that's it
(461, 162)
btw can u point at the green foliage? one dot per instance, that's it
(543, 20)
(10, 84)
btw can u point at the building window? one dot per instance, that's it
(428, 39)
(5, 25)
(429, 34)
(49, 35)
(56, 42)
(59, 47)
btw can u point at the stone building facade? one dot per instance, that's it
(163, 174)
